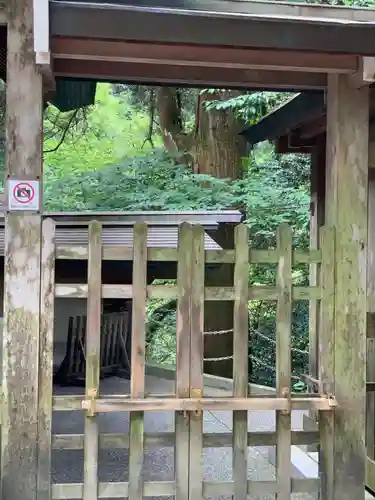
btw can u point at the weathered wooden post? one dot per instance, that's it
(22, 258)
(343, 344)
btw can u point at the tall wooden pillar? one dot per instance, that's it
(343, 338)
(22, 262)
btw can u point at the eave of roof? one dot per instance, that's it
(153, 218)
(157, 237)
(283, 119)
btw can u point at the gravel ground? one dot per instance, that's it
(67, 466)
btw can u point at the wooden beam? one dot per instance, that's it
(266, 31)
(206, 56)
(261, 8)
(42, 43)
(343, 364)
(188, 75)
(365, 73)
(23, 159)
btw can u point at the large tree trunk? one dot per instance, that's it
(219, 148)
(214, 148)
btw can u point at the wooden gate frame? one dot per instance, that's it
(188, 402)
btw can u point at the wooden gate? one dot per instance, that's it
(189, 401)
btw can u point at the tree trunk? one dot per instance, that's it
(219, 148)
(214, 148)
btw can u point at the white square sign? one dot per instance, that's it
(23, 196)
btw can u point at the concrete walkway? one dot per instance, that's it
(158, 465)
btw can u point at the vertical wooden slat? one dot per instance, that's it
(316, 222)
(326, 358)
(47, 298)
(109, 320)
(90, 489)
(240, 359)
(283, 359)
(137, 384)
(81, 351)
(196, 363)
(183, 329)
(113, 352)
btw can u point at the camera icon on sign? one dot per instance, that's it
(23, 193)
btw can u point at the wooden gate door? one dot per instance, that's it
(188, 401)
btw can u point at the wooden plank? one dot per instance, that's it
(73, 491)
(193, 55)
(170, 292)
(183, 329)
(260, 488)
(198, 76)
(21, 332)
(346, 209)
(196, 363)
(93, 334)
(45, 389)
(283, 360)
(240, 359)
(137, 384)
(326, 357)
(119, 403)
(167, 439)
(112, 252)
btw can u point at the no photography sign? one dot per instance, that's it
(23, 195)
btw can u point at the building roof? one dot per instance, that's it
(72, 228)
(286, 117)
(300, 121)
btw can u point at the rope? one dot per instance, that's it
(219, 332)
(258, 334)
(223, 358)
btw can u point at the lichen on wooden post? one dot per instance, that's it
(23, 160)
(346, 210)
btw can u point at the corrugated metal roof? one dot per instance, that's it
(157, 217)
(158, 237)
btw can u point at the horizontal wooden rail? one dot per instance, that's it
(102, 405)
(74, 491)
(111, 441)
(168, 402)
(120, 252)
(169, 292)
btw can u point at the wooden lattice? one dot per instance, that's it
(188, 401)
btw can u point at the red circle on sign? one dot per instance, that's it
(24, 187)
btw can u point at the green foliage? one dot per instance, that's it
(250, 106)
(104, 163)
